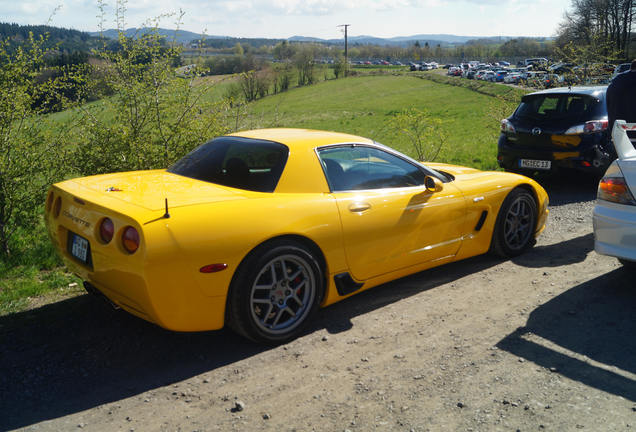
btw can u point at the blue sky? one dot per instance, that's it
(316, 18)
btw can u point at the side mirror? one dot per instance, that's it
(433, 184)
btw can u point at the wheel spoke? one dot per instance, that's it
(297, 300)
(295, 275)
(278, 315)
(283, 267)
(261, 301)
(272, 269)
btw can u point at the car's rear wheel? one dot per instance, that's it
(515, 225)
(275, 292)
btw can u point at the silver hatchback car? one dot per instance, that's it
(615, 210)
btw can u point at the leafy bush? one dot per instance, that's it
(31, 150)
(153, 118)
(422, 130)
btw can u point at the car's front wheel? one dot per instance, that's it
(515, 225)
(276, 290)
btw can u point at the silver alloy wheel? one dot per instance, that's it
(282, 294)
(518, 223)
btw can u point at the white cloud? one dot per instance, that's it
(319, 18)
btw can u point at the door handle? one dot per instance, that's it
(357, 207)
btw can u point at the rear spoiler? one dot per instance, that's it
(623, 145)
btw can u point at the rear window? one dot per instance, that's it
(242, 163)
(559, 106)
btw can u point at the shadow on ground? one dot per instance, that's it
(586, 333)
(571, 251)
(77, 354)
(568, 187)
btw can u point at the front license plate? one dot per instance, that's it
(79, 248)
(535, 164)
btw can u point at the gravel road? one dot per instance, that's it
(542, 342)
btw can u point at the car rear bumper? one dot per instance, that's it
(588, 158)
(615, 230)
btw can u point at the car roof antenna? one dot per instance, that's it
(166, 214)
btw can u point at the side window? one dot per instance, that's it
(360, 167)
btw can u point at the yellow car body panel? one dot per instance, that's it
(408, 230)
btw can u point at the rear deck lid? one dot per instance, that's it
(150, 189)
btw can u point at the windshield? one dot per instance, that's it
(242, 163)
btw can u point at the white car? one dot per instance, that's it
(615, 210)
(512, 78)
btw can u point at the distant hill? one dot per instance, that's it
(404, 41)
(183, 37)
(69, 40)
(186, 37)
(74, 40)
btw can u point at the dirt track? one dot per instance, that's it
(543, 342)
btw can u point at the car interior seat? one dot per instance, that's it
(335, 174)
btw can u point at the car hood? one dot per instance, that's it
(150, 189)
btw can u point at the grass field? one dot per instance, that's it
(365, 105)
(362, 105)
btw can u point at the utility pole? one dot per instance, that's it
(346, 65)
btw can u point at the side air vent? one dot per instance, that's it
(345, 284)
(482, 219)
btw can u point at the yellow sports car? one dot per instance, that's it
(258, 229)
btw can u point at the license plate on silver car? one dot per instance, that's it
(535, 164)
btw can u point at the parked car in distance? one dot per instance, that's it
(557, 128)
(623, 67)
(552, 80)
(513, 78)
(536, 61)
(614, 216)
(488, 76)
(479, 75)
(500, 75)
(258, 229)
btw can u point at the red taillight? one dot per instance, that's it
(106, 230)
(57, 207)
(49, 202)
(588, 127)
(506, 126)
(595, 126)
(130, 239)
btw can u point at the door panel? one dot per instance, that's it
(389, 229)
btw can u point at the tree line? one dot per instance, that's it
(602, 25)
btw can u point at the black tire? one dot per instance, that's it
(515, 225)
(275, 292)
